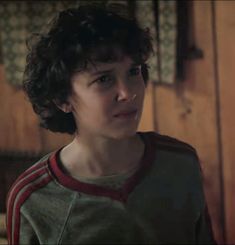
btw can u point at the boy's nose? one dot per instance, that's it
(124, 93)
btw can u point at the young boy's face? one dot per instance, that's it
(107, 99)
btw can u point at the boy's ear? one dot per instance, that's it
(65, 107)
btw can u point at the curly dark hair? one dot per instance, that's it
(75, 38)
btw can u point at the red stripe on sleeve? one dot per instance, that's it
(21, 200)
(25, 179)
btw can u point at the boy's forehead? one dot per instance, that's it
(99, 65)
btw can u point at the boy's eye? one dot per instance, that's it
(104, 81)
(135, 71)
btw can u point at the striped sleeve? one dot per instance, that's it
(32, 179)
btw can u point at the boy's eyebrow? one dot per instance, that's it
(110, 70)
(101, 72)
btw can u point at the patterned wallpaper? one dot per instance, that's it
(19, 19)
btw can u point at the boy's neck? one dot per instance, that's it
(101, 157)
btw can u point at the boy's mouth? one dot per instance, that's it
(126, 114)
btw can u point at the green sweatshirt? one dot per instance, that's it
(162, 202)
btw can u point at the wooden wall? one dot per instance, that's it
(19, 126)
(198, 111)
(225, 30)
(188, 111)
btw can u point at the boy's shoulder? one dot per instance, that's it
(29, 181)
(35, 170)
(170, 144)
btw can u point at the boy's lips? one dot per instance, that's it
(126, 113)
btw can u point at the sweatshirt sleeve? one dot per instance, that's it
(203, 229)
(19, 229)
(204, 233)
(27, 234)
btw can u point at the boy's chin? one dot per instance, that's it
(123, 134)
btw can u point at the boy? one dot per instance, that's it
(86, 76)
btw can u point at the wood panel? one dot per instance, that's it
(18, 124)
(225, 27)
(52, 141)
(188, 111)
(147, 119)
